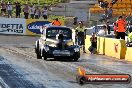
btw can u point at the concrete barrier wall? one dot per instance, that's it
(101, 45)
(111, 47)
(128, 56)
(87, 43)
(115, 48)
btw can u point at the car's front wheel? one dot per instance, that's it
(76, 56)
(76, 59)
(45, 58)
(44, 55)
(39, 54)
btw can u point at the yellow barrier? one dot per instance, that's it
(87, 43)
(128, 56)
(115, 48)
(101, 45)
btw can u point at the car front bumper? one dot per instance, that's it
(61, 53)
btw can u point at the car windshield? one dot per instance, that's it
(53, 32)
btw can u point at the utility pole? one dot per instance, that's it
(89, 15)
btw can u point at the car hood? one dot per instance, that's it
(54, 42)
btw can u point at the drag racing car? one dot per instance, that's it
(57, 42)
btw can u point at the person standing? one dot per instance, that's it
(114, 1)
(9, 9)
(75, 25)
(129, 41)
(3, 8)
(18, 9)
(81, 35)
(32, 11)
(108, 27)
(56, 22)
(37, 13)
(115, 30)
(121, 25)
(110, 12)
(103, 32)
(26, 11)
(45, 12)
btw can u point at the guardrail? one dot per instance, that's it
(111, 47)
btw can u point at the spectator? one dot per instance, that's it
(56, 22)
(129, 17)
(18, 9)
(75, 25)
(3, 8)
(106, 4)
(9, 9)
(32, 11)
(110, 12)
(130, 26)
(45, 12)
(37, 13)
(26, 11)
(121, 24)
(103, 32)
(115, 30)
(102, 4)
(93, 47)
(129, 42)
(81, 35)
(108, 27)
(114, 1)
(100, 1)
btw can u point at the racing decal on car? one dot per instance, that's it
(36, 27)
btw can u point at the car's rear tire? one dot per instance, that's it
(39, 56)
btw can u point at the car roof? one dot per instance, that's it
(58, 27)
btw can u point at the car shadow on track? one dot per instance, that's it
(61, 60)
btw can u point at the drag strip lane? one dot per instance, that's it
(10, 78)
(33, 71)
(65, 70)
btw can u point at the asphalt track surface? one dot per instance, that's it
(19, 67)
